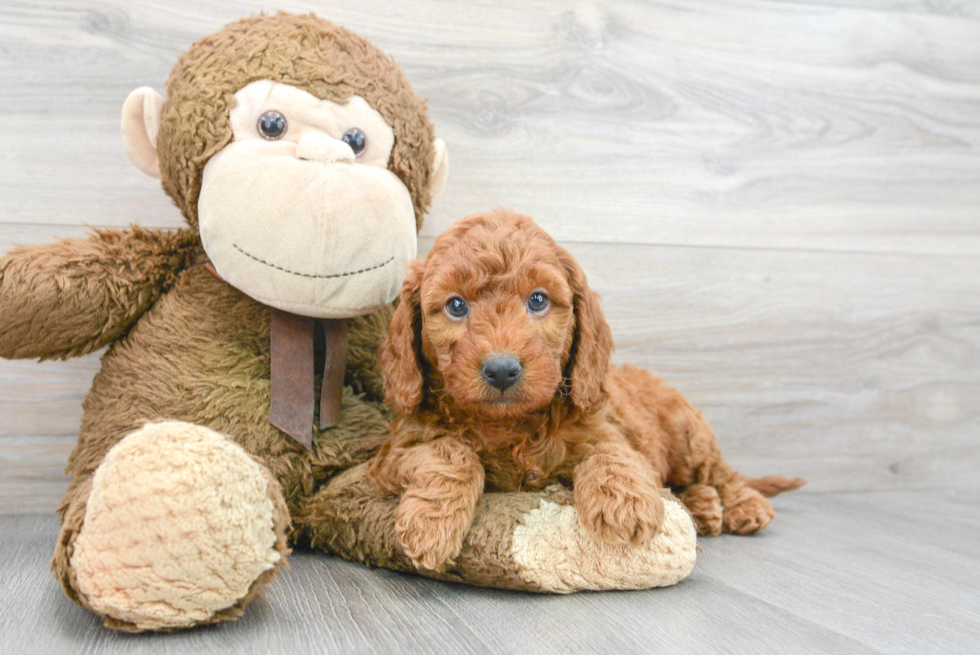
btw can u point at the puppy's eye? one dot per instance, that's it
(272, 125)
(356, 139)
(456, 307)
(537, 303)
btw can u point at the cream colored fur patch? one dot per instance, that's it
(299, 222)
(555, 553)
(177, 527)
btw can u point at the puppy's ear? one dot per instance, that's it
(401, 352)
(592, 343)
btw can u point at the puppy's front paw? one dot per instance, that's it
(428, 536)
(619, 514)
(748, 516)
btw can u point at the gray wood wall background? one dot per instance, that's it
(778, 200)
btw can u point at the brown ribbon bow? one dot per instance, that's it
(292, 350)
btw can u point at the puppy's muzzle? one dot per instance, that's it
(502, 371)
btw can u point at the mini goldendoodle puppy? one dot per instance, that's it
(497, 364)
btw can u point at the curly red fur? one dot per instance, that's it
(617, 435)
(399, 358)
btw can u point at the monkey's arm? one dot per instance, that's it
(72, 297)
(526, 541)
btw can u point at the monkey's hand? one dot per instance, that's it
(72, 297)
(527, 541)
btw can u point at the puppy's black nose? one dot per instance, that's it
(502, 371)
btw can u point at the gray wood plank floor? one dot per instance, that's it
(780, 204)
(835, 573)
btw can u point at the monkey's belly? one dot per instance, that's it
(201, 355)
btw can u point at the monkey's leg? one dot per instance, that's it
(178, 527)
(527, 541)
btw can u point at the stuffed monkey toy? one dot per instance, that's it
(240, 392)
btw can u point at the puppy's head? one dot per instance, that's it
(497, 320)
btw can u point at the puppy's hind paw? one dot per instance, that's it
(703, 503)
(748, 516)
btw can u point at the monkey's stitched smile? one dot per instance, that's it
(311, 275)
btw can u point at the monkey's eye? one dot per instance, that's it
(356, 139)
(537, 303)
(272, 125)
(456, 307)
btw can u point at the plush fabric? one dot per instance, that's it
(328, 241)
(548, 544)
(342, 255)
(173, 506)
(75, 296)
(178, 415)
(141, 116)
(531, 541)
(326, 60)
(306, 114)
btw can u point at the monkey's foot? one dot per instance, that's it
(182, 527)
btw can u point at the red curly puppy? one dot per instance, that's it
(497, 364)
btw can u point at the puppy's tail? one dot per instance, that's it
(773, 485)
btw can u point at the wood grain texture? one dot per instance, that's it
(748, 123)
(779, 201)
(890, 572)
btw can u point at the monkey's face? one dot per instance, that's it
(303, 156)
(300, 211)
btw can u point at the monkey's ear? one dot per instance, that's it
(141, 115)
(440, 169)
